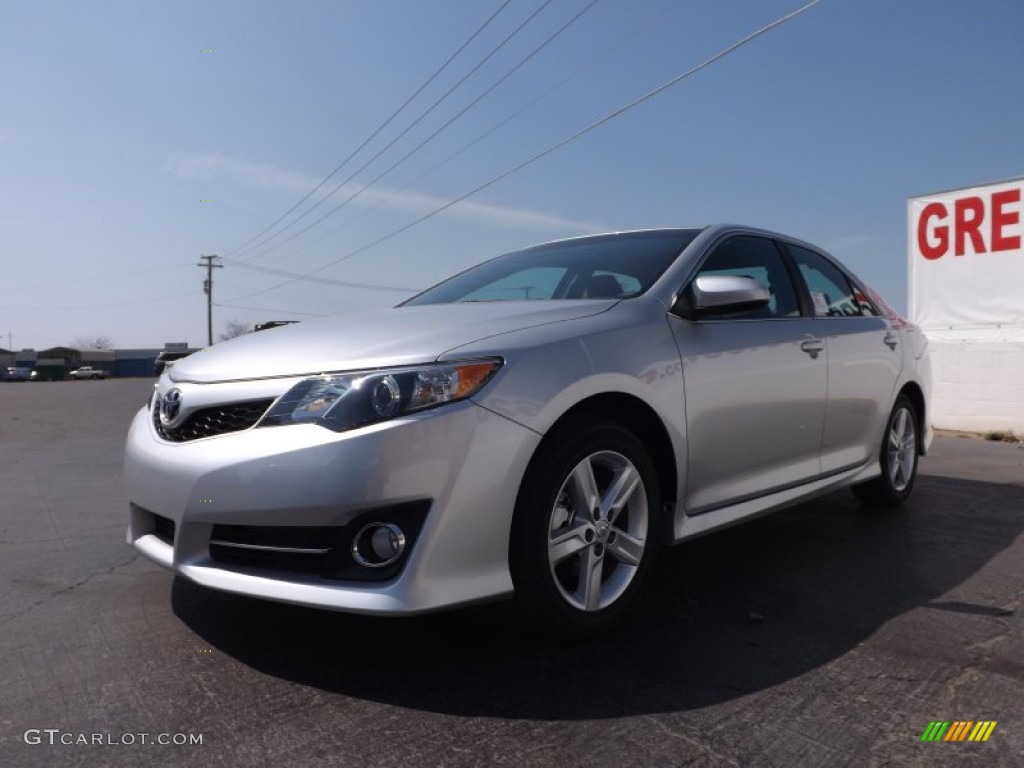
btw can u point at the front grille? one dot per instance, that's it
(216, 420)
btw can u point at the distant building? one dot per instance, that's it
(59, 360)
(6, 361)
(25, 358)
(134, 362)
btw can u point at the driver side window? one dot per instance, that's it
(756, 258)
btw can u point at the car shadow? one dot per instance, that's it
(728, 614)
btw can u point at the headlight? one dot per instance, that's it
(348, 400)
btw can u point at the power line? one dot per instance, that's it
(497, 126)
(104, 305)
(558, 145)
(264, 309)
(324, 280)
(397, 138)
(636, 30)
(377, 131)
(91, 278)
(433, 135)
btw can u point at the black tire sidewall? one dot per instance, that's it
(534, 584)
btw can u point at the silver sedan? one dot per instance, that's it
(538, 425)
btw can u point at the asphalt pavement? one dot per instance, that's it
(824, 635)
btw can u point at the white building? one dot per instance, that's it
(966, 255)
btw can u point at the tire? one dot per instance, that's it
(557, 538)
(897, 457)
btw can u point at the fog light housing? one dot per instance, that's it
(378, 545)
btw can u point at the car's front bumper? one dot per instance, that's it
(461, 464)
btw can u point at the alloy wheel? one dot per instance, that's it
(598, 531)
(902, 450)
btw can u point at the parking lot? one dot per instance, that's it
(825, 635)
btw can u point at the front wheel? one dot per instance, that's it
(584, 533)
(898, 459)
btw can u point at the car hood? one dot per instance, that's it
(375, 339)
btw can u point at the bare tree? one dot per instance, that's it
(233, 329)
(94, 342)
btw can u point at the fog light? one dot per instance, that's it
(378, 544)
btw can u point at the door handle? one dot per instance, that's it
(890, 340)
(812, 346)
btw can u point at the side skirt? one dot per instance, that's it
(690, 526)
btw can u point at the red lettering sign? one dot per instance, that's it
(969, 225)
(941, 232)
(1001, 210)
(1003, 218)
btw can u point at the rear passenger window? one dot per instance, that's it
(832, 295)
(867, 307)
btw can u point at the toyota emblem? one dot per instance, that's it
(170, 407)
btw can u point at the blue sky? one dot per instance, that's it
(120, 118)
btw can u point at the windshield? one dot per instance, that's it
(602, 267)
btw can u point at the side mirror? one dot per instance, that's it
(720, 295)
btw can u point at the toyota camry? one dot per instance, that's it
(539, 425)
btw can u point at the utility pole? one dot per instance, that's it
(207, 261)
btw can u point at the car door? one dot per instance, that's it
(864, 361)
(755, 385)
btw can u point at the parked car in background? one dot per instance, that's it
(88, 372)
(166, 359)
(537, 425)
(13, 373)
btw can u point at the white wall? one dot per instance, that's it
(978, 385)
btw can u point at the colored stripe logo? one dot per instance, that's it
(958, 730)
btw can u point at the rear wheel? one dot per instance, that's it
(898, 459)
(584, 531)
